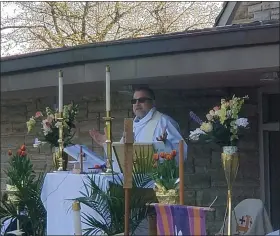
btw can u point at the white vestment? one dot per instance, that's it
(149, 128)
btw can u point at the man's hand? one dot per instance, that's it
(163, 137)
(98, 137)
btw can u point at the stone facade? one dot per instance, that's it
(256, 11)
(204, 177)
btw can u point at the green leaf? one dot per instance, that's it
(110, 205)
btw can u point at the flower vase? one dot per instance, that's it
(230, 162)
(170, 196)
(55, 157)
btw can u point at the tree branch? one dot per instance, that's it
(83, 35)
(20, 27)
(51, 4)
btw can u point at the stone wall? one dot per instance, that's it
(204, 177)
(256, 11)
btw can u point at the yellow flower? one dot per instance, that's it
(222, 114)
(206, 127)
(30, 124)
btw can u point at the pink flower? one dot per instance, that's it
(216, 108)
(38, 114)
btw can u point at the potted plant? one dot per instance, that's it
(110, 203)
(166, 176)
(49, 131)
(22, 198)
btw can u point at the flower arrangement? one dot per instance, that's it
(223, 125)
(49, 132)
(165, 171)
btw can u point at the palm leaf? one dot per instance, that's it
(21, 175)
(110, 204)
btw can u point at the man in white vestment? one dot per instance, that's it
(149, 125)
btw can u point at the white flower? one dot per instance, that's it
(37, 143)
(209, 117)
(194, 135)
(243, 122)
(46, 127)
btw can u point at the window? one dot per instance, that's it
(271, 108)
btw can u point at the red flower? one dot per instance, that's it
(19, 152)
(23, 148)
(156, 156)
(168, 157)
(173, 153)
(162, 154)
(10, 153)
(23, 154)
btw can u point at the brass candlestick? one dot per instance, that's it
(60, 141)
(230, 164)
(108, 122)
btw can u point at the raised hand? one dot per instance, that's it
(163, 137)
(98, 137)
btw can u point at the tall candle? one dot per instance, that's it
(77, 218)
(60, 91)
(108, 88)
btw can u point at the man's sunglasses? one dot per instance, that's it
(140, 100)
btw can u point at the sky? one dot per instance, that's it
(5, 11)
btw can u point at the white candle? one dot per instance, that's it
(108, 88)
(77, 218)
(60, 91)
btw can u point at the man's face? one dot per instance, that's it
(142, 103)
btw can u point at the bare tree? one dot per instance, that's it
(33, 26)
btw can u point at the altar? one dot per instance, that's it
(58, 190)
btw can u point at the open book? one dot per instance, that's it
(90, 158)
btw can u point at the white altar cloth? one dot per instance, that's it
(58, 187)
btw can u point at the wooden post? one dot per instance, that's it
(128, 162)
(81, 160)
(181, 171)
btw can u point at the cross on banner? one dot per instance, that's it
(242, 220)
